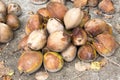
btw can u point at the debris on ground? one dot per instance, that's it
(95, 65)
(117, 27)
(42, 75)
(5, 70)
(6, 77)
(82, 66)
(103, 62)
(4, 47)
(108, 16)
(97, 12)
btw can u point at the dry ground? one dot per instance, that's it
(109, 72)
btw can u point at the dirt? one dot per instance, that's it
(109, 72)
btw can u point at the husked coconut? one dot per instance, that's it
(54, 25)
(58, 41)
(73, 18)
(37, 39)
(70, 53)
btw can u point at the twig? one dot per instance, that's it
(77, 76)
(112, 61)
(16, 50)
(4, 47)
(30, 12)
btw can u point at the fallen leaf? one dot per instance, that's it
(41, 75)
(95, 65)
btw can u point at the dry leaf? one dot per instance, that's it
(81, 66)
(95, 66)
(41, 75)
